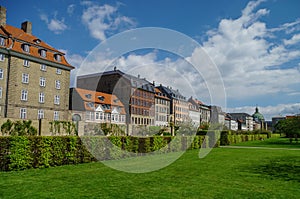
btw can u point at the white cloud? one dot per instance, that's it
(102, 20)
(295, 39)
(250, 63)
(55, 25)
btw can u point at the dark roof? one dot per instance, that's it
(171, 93)
(239, 116)
(135, 82)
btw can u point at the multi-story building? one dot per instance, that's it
(179, 107)
(204, 111)
(194, 114)
(230, 123)
(98, 107)
(244, 120)
(136, 94)
(217, 116)
(162, 108)
(34, 77)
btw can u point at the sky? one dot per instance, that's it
(254, 45)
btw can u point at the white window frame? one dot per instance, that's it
(57, 84)
(26, 48)
(57, 57)
(25, 78)
(1, 73)
(23, 113)
(56, 115)
(40, 114)
(26, 63)
(56, 99)
(58, 71)
(2, 41)
(42, 81)
(24, 95)
(43, 53)
(2, 57)
(42, 98)
(43, 67)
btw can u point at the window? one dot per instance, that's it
(2, 41)
(41, 97)
(25, 48)
(43, 67)
(58, 71)
(1, 73)
(57, 84)
(43, 53)
(0, 92)
(24, 95)
(56, 115)
(56, 99)
(26, 63)
(23, 113)
(40, 114)
(57, 57)
(2, 57)
(25, 78)
(89, 96)
(42, 81)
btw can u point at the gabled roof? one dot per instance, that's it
(159, 94)
(92, 99)
(15, 37)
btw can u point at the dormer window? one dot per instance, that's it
(25, 48)
(42, 53)
(2, 41)
(89, 96)
(101, 98)
(37, 41)
(57, 57)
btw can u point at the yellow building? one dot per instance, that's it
(34, 77)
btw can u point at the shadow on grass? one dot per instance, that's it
(284, 168)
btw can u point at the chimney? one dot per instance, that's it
(2, 16)
(27, 27)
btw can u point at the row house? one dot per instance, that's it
(179, 107)
(136, 94)
(98, 107)
(162, 108)
(230, 123)
(201, 114)
(244, 120)
(34, 77)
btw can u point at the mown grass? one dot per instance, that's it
(271, 143)
(223, 173)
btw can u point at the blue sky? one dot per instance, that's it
(254, 44)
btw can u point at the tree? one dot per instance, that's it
(290, 127)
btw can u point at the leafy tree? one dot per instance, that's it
(6, 127)
(290, 127)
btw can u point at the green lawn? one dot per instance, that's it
(223, 173)
(271, 143)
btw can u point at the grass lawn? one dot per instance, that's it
(271, 143)
(223, 173)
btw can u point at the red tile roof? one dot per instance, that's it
(17, 37)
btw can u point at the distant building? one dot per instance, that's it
(230, 123)
(217, 116)
(204, 110)
(162, 108)
(136, 94)
(244, 120)
(194, 114)
(179, 108)
(96, 107)
(259, 120)
(34, 77)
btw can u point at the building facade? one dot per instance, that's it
(34, 77)
(96, 107)
(244, 120)
(162, 108)
(179, 107)
(136, 94)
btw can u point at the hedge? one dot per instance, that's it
(25, 152)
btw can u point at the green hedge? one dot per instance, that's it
(24, 152)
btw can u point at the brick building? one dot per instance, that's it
(34, 77)
(136, 94)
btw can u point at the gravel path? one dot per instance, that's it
(257, 147)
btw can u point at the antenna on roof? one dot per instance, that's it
(115, 68)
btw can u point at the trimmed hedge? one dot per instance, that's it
(25, 152)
